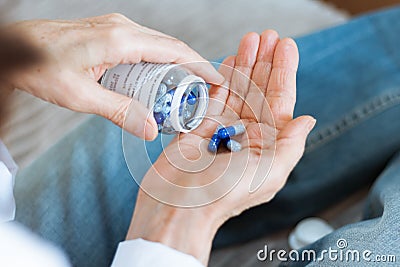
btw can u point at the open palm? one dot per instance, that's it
(261, 80)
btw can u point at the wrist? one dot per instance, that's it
(188, 230)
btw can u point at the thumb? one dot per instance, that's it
(292, 139)
(127, 113)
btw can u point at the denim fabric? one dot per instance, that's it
(80, 194)
(349, 79)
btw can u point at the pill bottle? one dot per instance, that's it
(177, 98)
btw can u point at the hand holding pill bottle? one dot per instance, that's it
(177, 98)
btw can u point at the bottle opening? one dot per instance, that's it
(189, 104)
(191, 112)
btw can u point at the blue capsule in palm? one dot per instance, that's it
(215, 141)
(230, 131)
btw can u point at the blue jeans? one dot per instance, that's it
(80, 194)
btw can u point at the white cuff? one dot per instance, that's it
(7, 202)
(8, 170)
(142, 253)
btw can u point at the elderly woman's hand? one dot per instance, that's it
(76, 53)
(189, 192)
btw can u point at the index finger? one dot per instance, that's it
(123, 44)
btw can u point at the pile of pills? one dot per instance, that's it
(162, 106)
(223, 135)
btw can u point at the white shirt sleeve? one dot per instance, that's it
(20, 247)
(142, 253)
(8, 170)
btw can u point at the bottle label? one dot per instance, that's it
(139, 81)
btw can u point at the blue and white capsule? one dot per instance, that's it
(230, 131)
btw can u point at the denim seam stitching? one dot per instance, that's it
(363, 112)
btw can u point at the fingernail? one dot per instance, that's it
(139, 123)
(289, 43)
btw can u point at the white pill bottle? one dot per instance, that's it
(177, 98)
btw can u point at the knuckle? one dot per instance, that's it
(182, 45)
(119, 113)
(122, 41)
(117, 18)
(116, 34)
